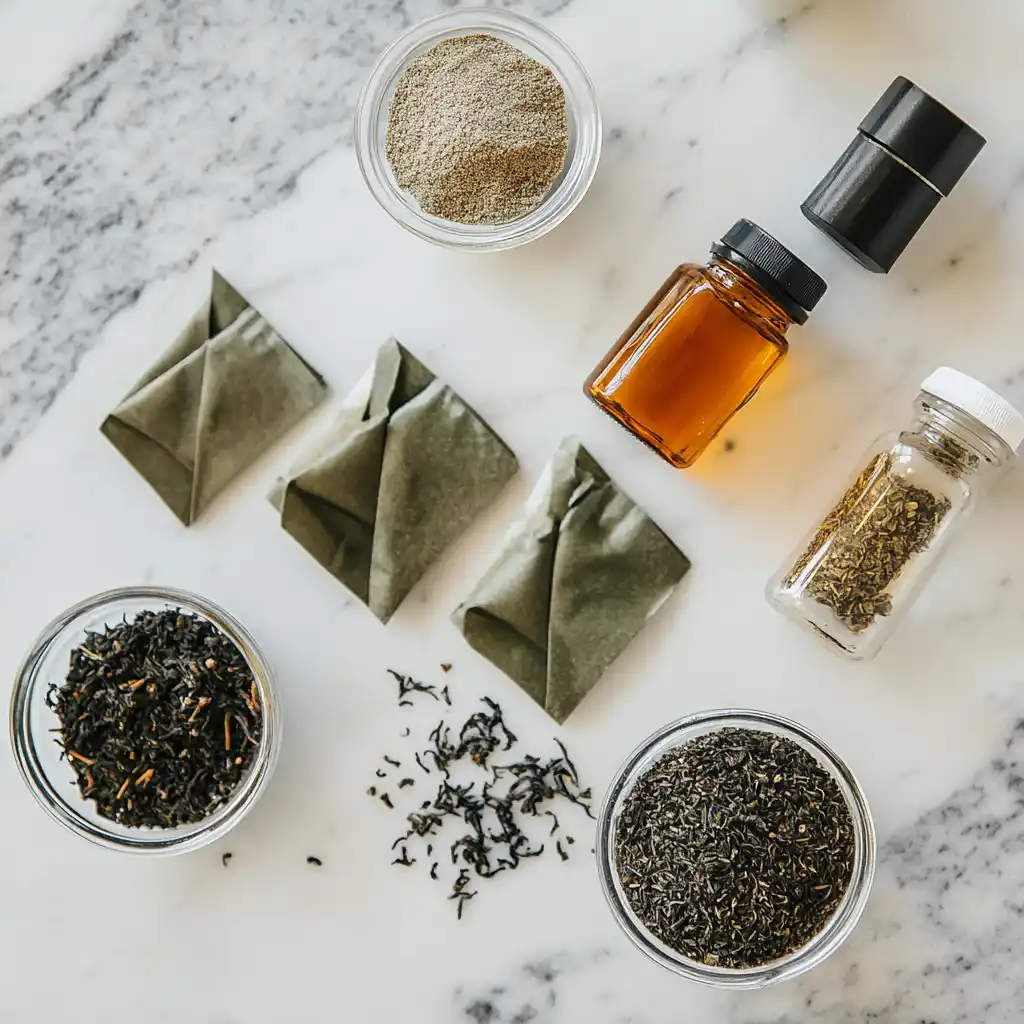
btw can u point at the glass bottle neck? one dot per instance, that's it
(736, 286)
(955, 440)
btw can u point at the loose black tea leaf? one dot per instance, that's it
(736, 848)
(406, 782)
(314, 860)
(408, 685)
(405, 859)
(160, 718)
(461, 892)
(225, 857)
(865, 542)
(386, 801)
(446, 666)
(392, 761)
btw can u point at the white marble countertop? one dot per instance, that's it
(144, 141)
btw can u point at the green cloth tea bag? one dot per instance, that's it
(403, 472)
(224, 392)
(576, 580)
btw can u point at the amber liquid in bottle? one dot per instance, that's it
(693, 357)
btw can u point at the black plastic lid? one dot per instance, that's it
(789, 281)
(923, 133)
(909, 152)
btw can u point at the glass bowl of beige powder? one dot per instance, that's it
(478, 129)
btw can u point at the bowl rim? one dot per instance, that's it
(581, 162)
(145, 841)
(839, 926)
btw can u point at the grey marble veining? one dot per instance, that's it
(196, 115)
(961, 869)
(941, 942)
(191, 118)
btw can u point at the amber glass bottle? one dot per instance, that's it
(703, 345)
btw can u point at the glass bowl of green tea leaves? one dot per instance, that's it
(736, 849)
(146, 720)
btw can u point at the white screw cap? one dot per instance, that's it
(974, 398)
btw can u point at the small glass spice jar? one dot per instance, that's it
(853, 578)
(705, 343)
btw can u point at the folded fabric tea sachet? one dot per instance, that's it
(225, 391)
(577, 578)
(404, 470)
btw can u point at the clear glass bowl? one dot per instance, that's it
(50, 779)
(842, 922)
(584, 120)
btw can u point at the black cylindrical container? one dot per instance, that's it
(908, 154)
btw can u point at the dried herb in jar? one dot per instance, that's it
(947, 452)
(160, 718)
(865, 542)
(735, 849)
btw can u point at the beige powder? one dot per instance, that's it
(477, 131)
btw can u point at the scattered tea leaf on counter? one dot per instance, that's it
(493, 810)
(460, 890)
(405, 860)
(408, 685)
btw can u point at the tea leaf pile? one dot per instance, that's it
(160, 718)
(735, 849)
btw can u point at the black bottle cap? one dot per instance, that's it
(909, 152)
(923, 133)
(786, 278)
